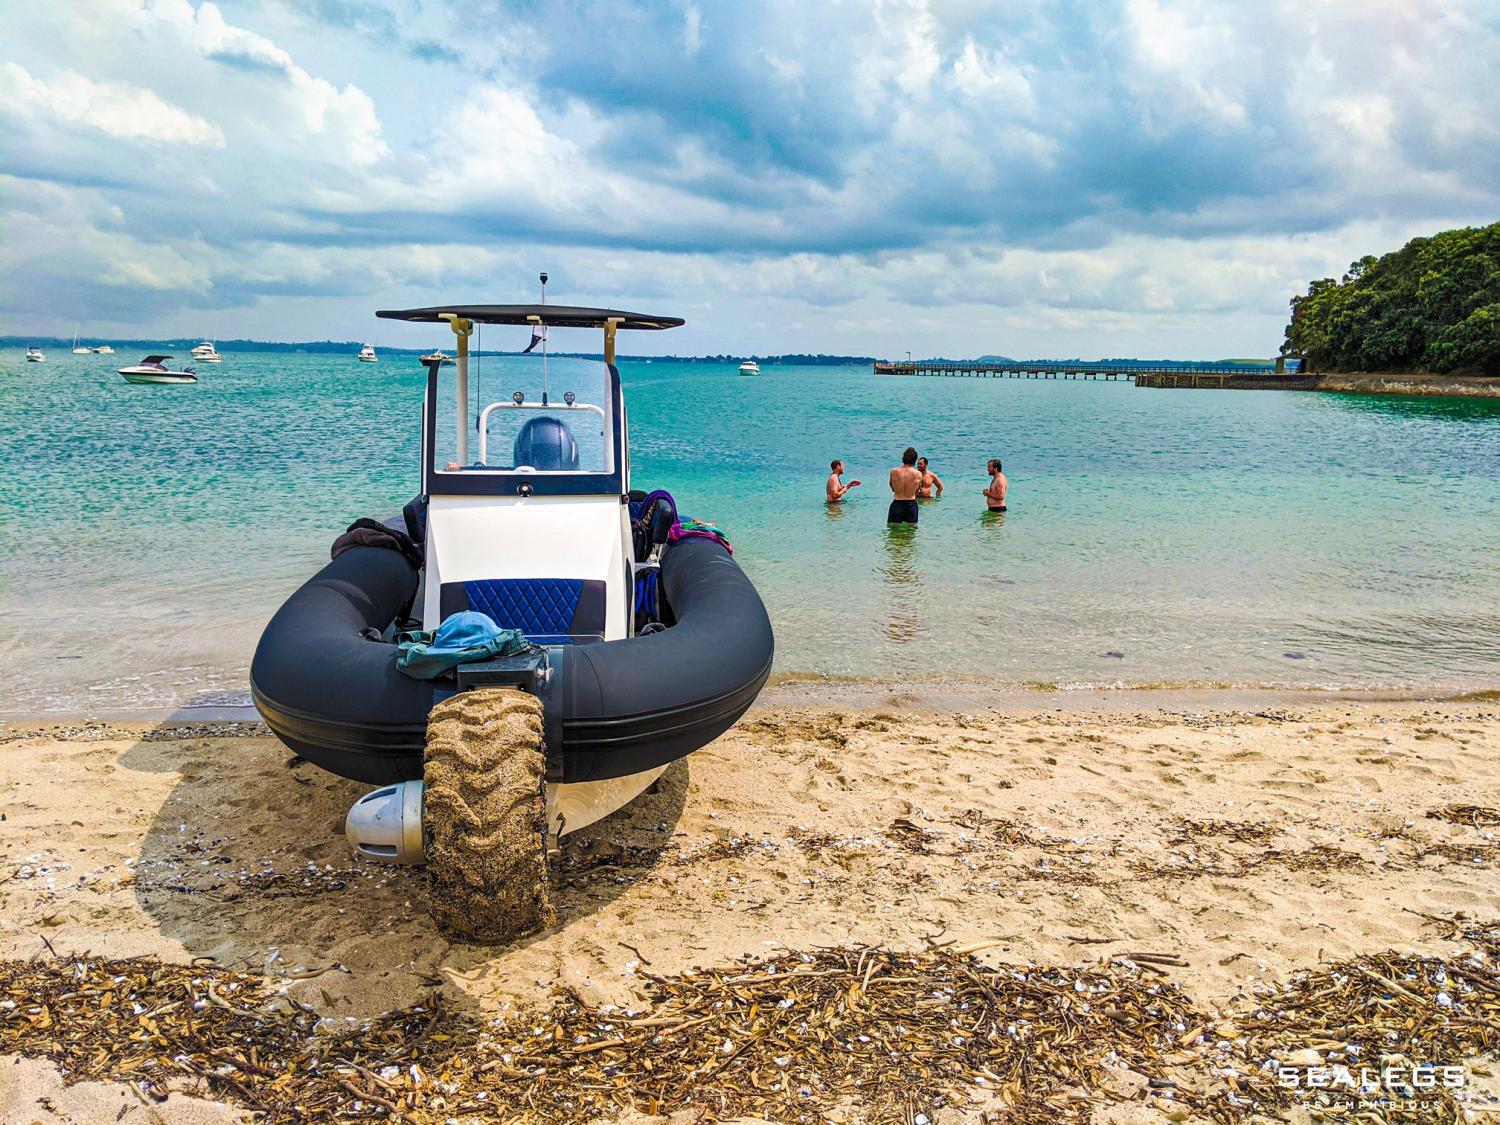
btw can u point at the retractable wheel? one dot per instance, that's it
(484, 815)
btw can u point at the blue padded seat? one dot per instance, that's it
(547, 610)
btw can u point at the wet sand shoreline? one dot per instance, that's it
(935, 693)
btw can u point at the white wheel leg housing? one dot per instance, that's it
(386, 824)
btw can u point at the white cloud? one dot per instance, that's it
(344, 119)
(129, 112)
(1184, 60)
(692, 29)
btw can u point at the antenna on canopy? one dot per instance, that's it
(544, 342)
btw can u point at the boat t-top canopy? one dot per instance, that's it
(554, 316)
(462, 318)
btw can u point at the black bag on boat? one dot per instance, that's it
(370, 533)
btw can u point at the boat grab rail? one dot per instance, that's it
(484, 425)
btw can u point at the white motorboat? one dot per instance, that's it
(439, 357)
(34, 355)
(103, 349)
(367, 354)
(207, 353)
(154, 369)
(749, 367)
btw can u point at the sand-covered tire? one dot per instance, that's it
(484, 815)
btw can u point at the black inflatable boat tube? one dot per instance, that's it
(632, 705)
(618, 708)
(333, 696)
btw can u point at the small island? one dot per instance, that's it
(1424, 318)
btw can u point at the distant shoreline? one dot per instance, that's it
(351, 348)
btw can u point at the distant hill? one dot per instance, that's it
(793, 359)
(1433, 305)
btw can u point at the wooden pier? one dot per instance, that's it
(1217, 376)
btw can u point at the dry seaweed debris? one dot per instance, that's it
(1367, 1022)
(1462, 927)
(1188, 831)
(1202, 861)
(1475, 816)
(786, 1039)
(885, 1036)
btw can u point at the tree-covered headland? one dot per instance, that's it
(1433, 305)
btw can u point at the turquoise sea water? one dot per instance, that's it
(147, 533)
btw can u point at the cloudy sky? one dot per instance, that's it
(1122, 177)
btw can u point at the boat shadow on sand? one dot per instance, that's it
(246, 863)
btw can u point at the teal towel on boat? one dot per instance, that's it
(462, 638)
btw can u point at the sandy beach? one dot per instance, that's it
(1229, 849)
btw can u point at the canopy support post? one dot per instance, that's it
(610, 324)
(461, 329)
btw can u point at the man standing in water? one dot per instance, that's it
(905, 480)
(994, 495)
(837, 489)
(929, 480)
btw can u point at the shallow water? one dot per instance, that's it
(1254, 538)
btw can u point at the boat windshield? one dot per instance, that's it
(572, 433)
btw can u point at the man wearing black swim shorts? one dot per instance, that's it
(994, 495)
(905, 480)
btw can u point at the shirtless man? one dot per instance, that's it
(905, 480)
(994, 495)
(929, 480)
(837, 489)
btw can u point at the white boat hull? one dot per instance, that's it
(157, 376)
(366, 359)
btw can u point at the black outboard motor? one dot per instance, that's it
(547, 444)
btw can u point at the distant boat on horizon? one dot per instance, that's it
(749, 367)
(207, 353)
(34, 355)
(103, 349)
(367, 354)
(78, 350)
(438, 356)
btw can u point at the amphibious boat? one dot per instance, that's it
(647, 639)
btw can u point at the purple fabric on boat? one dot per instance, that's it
(695, 529)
